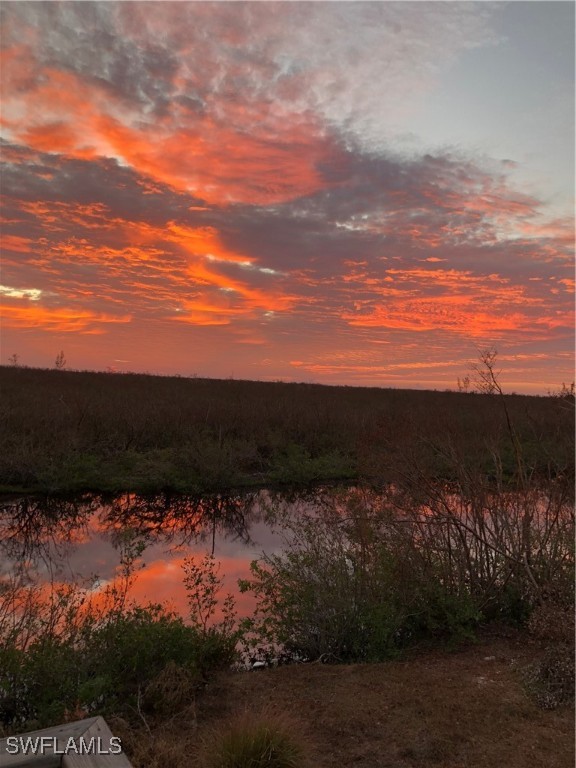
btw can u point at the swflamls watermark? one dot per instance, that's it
(43, 745)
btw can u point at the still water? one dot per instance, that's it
(83, 540)
(476, 541)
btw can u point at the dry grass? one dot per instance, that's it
(66, 431)
(550, 678)
(466, 709)
(266, 739)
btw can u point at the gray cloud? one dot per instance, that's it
(30, 175)
(299, 58)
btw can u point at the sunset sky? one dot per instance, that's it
(338, 192)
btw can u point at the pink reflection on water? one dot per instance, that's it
(82, 544)
(159, 576)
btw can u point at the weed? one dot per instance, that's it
(263, 741)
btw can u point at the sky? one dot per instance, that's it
(359, 193)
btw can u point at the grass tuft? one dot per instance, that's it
(253, 741)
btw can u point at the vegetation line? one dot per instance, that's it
(64, 432)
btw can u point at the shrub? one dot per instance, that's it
(64, 657)
(133, 649)
(265, 741)
(113, 667)
(352, 585)
(550, 680)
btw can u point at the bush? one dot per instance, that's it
(63, 657)
(133, 649)
(352, 585)
(109, 668)
(267, 741)
(550, 680)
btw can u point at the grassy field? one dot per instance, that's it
(64, 431)
(464, 709)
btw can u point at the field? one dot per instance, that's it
(63, 432)
(464, 709)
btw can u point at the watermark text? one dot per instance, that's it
(43, 745)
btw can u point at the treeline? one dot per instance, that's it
(64, 431)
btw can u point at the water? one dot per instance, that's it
(475, 541)
(84, 540)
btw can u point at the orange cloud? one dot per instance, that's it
(458, 302)
(59, 320)
(258, 157)
(16, 243)
(205, 247)
(222, 164)
(178, 271)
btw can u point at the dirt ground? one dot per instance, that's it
(460, 709)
